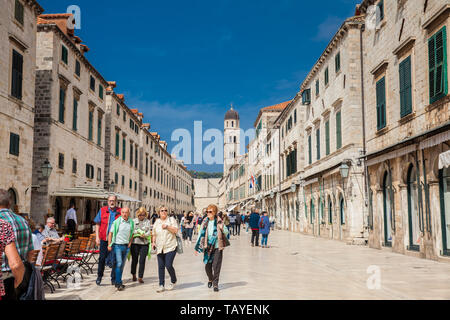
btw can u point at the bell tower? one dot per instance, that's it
(231, 142)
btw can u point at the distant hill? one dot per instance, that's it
(205, 175)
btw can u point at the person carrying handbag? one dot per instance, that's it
(211, 241)
(164, 241)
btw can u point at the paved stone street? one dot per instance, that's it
(295, 267)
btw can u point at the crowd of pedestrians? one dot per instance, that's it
(119, 237)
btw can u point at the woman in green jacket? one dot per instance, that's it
(120, 239)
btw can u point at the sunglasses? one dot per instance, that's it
(209, 211)
(164, 210)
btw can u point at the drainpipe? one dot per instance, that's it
(366, 171)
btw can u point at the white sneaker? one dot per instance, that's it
(171, 286)
(160, 289)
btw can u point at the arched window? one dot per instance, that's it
(13, 199)
(413, 210)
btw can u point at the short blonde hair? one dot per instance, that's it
(214, 208)
(160, 207)
(142, 210)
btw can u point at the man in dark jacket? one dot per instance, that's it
(254, 221)
(238, 223)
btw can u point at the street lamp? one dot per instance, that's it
(344, 169)
(112, 186)
(46, 169)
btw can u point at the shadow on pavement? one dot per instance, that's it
(230, 285)
(189, 285)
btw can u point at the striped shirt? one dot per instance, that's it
(22, 233)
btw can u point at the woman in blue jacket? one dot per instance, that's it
(264, 229)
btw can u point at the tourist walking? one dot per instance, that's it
(211, 241)
(232, 217)
(104, 220)
(247, 221)
(189, 226)
(164, 241)
(140, 248)
(254, 226)
(264, 229)
(119, 242)
(237, 224)
(183, 229)
(9, 251)
(71, 220)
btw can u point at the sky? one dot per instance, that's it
(185, 61)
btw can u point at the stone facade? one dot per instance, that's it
(17, 34)
(332, 136)
(206, 193)
(69, 122)
(408, 208)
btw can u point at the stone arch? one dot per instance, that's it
(409, 161)
(382, 169)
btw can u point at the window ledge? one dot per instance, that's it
(438, 103)
(407, 118)
(382, 131)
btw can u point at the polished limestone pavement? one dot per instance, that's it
(294, 267)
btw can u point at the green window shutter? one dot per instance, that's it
(75, 115)
(318, 143)
(92, 84)
(64, 54)
(77, 68)
(100, 91)
(118, 110)
(317, 87)
(338, 131)
(17, 75)
(124, 149)
(326, 76)
(117, 144)
(62, 98)
(309, 149)
(381, 103)
(405, 87)
(19, 12)
(91, 123)
(337, 62)
(381, 7)
(437, 52)
(14, 142)
(99, 131)
(327, 137)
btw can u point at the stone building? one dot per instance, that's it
(332, 138)
(122, 147)
(407, 126)
(290, 159)
(17, 96)
(206, 193)
(69, 127)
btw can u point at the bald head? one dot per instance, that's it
(125, 213)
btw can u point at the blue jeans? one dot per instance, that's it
(264, 239)
(165, 261)
(102, 259)
(121, 251)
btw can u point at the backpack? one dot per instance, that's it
(261, 223)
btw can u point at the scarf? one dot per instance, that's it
(207, 243)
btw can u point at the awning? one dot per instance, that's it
(232, 207)
(123, 197)
(92, 193)
(83, 192)
(444, 160)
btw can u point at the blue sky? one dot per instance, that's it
(185, 61)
